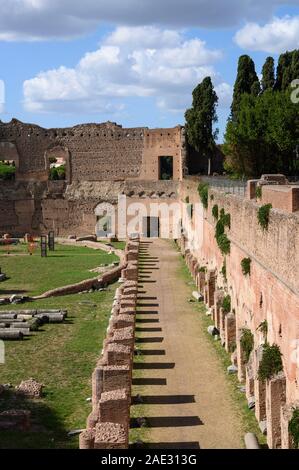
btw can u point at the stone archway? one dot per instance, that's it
(105, 214)
(58, 157)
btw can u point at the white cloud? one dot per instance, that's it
(52, 19)
(279, 35)
(166, 70)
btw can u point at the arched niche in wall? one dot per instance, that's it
(58, 163)
(105, 214)
(9, 161)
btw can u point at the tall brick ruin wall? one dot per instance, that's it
(270, 292)
(102, 161)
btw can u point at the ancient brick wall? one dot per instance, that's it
(95, 152)
(270, 292)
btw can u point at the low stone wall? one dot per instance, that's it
(109, 422)
(95, 283)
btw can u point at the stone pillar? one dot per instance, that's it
(275, 399)
(86, 439)
(250, 377)
(221, 327)
(111, 436)
(285, 418)
(108, 378)
(118, 354)
(230, 332)
(241, 357)
(259, 388)
(114, 407)
(211, 281)
(218, 300)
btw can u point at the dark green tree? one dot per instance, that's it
(268, 72)
(246, 78)
(201, 118)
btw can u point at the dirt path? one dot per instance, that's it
(185, 395)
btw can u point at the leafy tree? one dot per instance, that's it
(201, 118)
(246, 78)
(268, 80)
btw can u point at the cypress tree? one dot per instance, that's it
(200, 119)
(246, 77)
(268, 80)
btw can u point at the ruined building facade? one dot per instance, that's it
(102, 161)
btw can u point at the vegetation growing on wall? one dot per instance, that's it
(247, 343)
(224, 271)
(263, 328)
(215, 211)
(220, 235)
(203, 191)
(226, 304)
(264, 216)
(246, 266)
(258, 192)
(271, 363)
(294, 428)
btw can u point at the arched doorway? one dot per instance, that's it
(105, 220)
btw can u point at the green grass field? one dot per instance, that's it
(33, 275)
(62, 356)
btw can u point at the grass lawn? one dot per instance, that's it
(33, 275)
(62, 357)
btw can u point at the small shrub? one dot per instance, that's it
(223, 271)
(215, 212)
(226, 220)
(258, 192)
(263, 328)
(294, 428)
(222, 213)
(220, 229)
(202, 269)
(247, 343)
(271, 363)
(224, 244)
(203, 191)
(246, 266)
(226, 304)
(264, 216)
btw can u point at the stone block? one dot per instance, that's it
(114, 407)
(275, 399)
(111, 436)
(109, 378)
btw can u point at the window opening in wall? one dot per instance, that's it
(7, 170)
(166, 168)
(57, 164)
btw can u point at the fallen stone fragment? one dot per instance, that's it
(263, 427)
(30, 388)
(232, 369)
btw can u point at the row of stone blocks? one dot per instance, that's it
(109, 422)
(268, 397)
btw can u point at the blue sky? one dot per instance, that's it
(135, 62)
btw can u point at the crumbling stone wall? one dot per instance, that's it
(109, 422)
